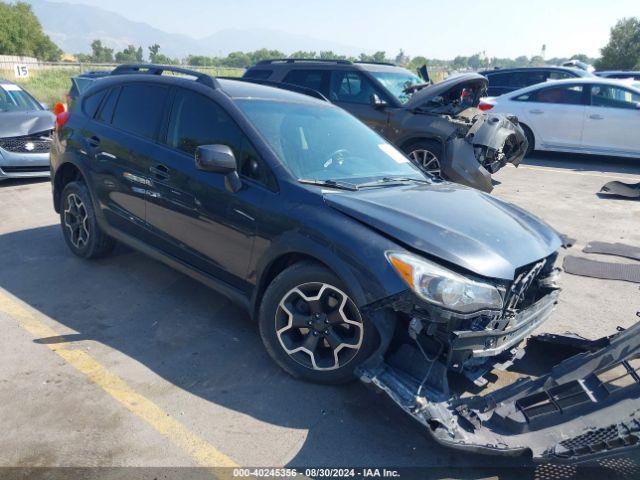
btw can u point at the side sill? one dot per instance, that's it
(235, 295)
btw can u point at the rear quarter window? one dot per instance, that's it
(92, 102)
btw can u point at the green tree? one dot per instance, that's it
(153, 52)
(303, 54)
(100, 53)
(623, 50)
(130, 54)
(156, 57)
(21, 33)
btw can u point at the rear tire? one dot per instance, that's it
(79, 226)
(426, 155)
(311, 327)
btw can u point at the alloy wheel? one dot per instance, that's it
(427, 160)
(319, 326)
(76, 221)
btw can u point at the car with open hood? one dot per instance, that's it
(439, 126)
(25, 133)
(353, 262)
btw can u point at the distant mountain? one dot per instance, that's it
(74, 26)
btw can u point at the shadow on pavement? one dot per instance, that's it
(201, 343)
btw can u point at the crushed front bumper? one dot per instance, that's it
(491, 343)
(23, 165)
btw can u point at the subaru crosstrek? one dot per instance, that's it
(353, 262)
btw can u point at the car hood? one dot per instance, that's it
(17, 124)
(459, 225)
(422, 96)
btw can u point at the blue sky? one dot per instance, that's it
(434, 28)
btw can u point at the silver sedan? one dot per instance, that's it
(25, 134)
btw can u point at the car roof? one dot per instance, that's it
(578, 71)
(238, 89)
(618, 72)
(235, 89)
(6, 82)
(321, 63)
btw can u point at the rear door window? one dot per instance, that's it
(524, 79)
(559, 75)
(609, 96)
(139, 109)
(563, 95)
(352, 87)
(314, 79)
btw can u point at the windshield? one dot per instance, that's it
(398, 82)
(322, 142)
(14, 99)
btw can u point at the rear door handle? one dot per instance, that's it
(595, 116)
(536, 112)
(160, 172)
(94, 141)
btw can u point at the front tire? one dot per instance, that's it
(426, 155)
(79, 226)
(311, 326)
(531, 141)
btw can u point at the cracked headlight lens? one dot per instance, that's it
(443, 287)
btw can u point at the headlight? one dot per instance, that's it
(444, 287)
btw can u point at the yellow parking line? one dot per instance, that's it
(562, 170)
(199, 449)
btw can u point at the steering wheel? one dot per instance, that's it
(339, 156)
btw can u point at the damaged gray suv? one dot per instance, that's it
(439, 127)
(354, 263)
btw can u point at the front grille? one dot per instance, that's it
(29, 169)
(35, 143)
(523, 289)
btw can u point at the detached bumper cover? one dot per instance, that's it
(490, 143)
(584, 409)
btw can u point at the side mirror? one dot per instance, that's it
(219, 159)
(377, 102)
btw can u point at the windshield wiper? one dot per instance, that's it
(330, 183)
(392, 181)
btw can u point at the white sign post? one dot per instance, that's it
(21, 71)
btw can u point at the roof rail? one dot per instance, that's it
(283, 86)
(152, 69)
(377, 63)
(309, 60)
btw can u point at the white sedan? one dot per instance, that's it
(582, 115)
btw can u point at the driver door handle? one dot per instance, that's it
(595, 116)
(161, 172)
(536, 111)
